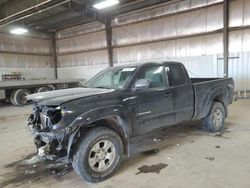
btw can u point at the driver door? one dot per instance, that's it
(154, 106)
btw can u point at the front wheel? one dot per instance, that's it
(98, 155)
(214, 122)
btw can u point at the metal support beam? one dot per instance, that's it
(45, 20)
(96, 16)
(108, 32)
(54, 54)
(225, 35)
(87, 12)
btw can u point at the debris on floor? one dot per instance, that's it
(32, 169)
(218, 134)
(157, 140)
(210, 158)
(152, 169)
(151, 152)
(221, 134)
(217, 147)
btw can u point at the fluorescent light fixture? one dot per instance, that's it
(19, 31)
(105, 4)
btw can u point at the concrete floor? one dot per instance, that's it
(189, 157)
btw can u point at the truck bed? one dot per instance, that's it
(205, 89)
(199, 80)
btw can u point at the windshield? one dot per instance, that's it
(111, 78)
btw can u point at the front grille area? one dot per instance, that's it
(44, 121)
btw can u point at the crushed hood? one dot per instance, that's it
(59, 97)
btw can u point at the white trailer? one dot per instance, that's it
(16, 91)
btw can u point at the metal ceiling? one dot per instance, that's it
(54, 15)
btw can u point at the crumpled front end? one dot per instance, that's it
(49, 145)
(46, 123)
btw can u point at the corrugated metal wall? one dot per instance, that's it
(25, 44)
(86, 72)
(81, 51)
(168, 50)
(30, 55)
(189, 31)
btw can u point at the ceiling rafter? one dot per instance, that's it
(35, 9)
(70, 13)
(87, 12)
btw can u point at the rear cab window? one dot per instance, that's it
(175, 75)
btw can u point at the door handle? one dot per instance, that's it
(169, 94)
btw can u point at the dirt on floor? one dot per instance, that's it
(185, 157)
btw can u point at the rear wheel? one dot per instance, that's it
(41, 89)
(214, 122)
(98, 155)
(19, 97)
(12, 97)
(51, 87)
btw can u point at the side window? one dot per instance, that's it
(175, 75)
(155, 75)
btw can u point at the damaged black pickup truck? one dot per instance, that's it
(92, 126)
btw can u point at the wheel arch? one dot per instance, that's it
(219, 95)
(117, 121)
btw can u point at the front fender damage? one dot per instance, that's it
(59, 143)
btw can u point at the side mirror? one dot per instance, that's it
(142, 84)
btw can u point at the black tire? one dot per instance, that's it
(214, 122)
(41, 89)
(51, 87)
(12, 98)
(84, 152)
(20, 96)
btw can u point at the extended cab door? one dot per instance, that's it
(154, 106)
(182, 90)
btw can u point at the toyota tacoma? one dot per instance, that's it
(92, 126)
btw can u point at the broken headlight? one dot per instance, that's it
(50, 118)
(56, 116)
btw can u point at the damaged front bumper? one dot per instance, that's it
(42, 123)
(51, 145)
(49, 125)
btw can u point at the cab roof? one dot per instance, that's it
(144, 64)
